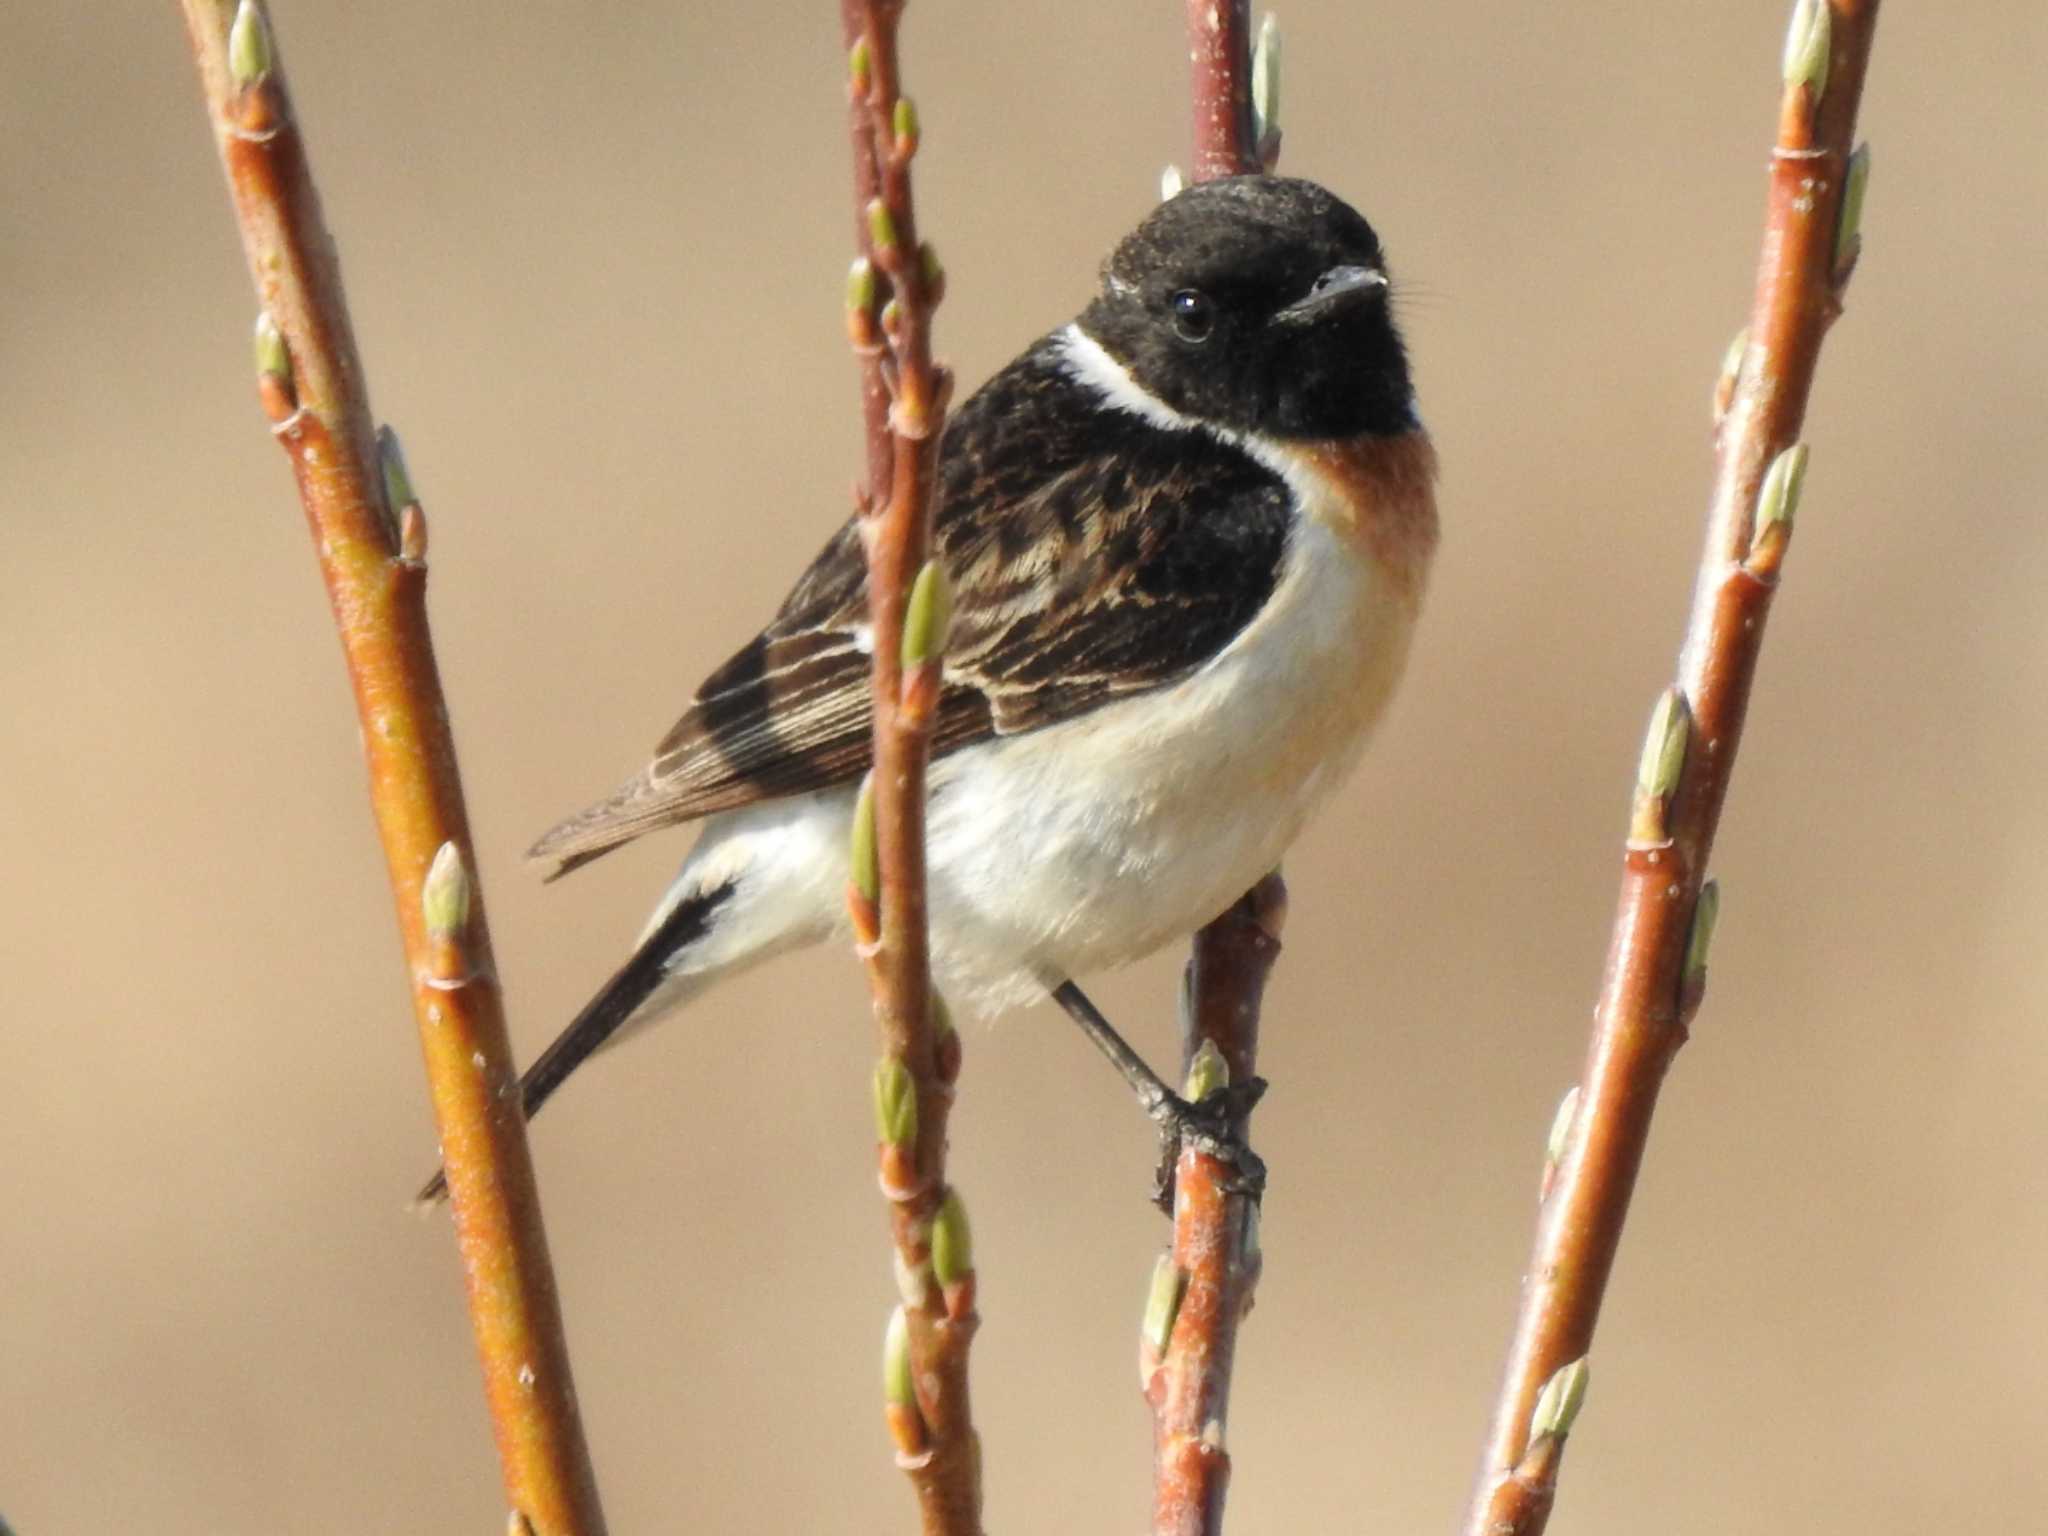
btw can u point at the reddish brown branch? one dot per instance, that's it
(892, 292)
(1654, 974)
(1213, 1265)
(1220, 59)
(1204, 1284)
(370, 534)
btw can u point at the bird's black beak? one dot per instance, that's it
(1339, 288)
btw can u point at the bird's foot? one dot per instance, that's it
(1213, 1125)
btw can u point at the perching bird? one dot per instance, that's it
(1187, 534)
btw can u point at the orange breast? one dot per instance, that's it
(1381, 493)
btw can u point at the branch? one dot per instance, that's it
(1220, 88)
(1656, 965)
(1202, 1287)
(891, 292)
(371, 537)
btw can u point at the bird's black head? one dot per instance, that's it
(1257, 303)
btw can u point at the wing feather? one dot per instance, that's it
(1094, 555)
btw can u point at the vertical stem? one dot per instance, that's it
(903, 394)
(1213, 1264)
(1215, 1253)
(1652, 984)
(1220, 87)
(370, 535)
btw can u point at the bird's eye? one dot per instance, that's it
(1194, 315)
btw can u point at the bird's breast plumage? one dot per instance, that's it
(1088, 844)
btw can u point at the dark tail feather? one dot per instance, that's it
(631, 985)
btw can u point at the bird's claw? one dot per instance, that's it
(1215, 1126)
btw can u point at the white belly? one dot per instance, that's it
(1087, 845)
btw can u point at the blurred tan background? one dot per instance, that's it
(594, 254)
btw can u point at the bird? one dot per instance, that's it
(1188, 535)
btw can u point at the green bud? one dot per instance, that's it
(941, 1016)
(249, 51)
(861, 285)
(1657, 774)
(1557, 1406)
(1777, 502)
(272, 356)
(1849, 229)
(903, 121)
(897, 1389)
(895, 1102)
(865, 856)
(445, 894)
(1162, 1302)
(398, 491)
(952, 1242)
(1664, 745)
(1207, 1072)
(928, 265)
(1807, 42)
(1705, 913)
(928, 615)
(1561, 1126)
(1266, 79)
(881, 226)
(857, 64)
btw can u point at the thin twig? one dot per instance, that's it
(1220, 88)
(1656, 963)
(371, 537)
(892, 291)
(1203, 1286)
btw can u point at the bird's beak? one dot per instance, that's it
(1339, 288)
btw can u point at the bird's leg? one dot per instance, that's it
(1214, 1124)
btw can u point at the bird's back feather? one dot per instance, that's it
(1092, 556)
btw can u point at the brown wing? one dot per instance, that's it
(1092, 554)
